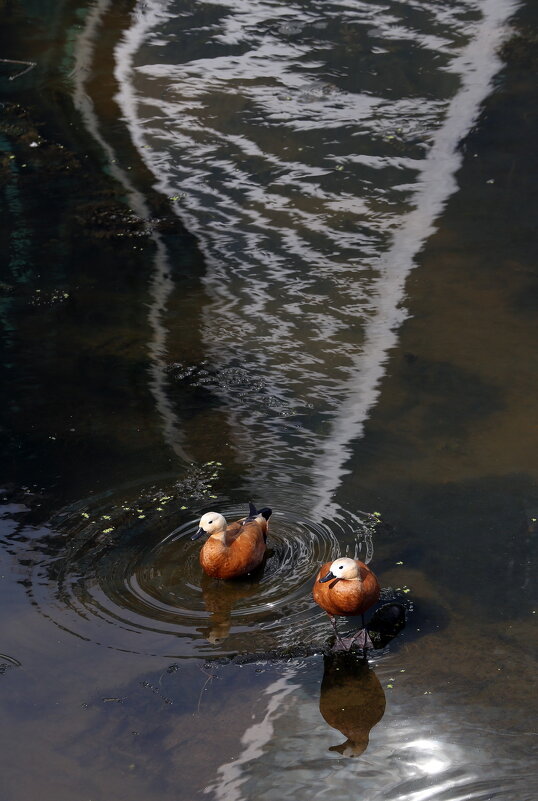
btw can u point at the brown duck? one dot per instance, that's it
(233, 549)
(346, 587)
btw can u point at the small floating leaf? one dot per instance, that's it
(108, 530)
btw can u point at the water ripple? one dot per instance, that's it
(131, 568)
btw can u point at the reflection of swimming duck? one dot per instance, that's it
(221, 598)
(351, 700)
(346, 587)
(233, 549)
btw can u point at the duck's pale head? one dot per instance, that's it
(343, 568)
(210, 523)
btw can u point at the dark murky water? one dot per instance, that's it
(283, 252)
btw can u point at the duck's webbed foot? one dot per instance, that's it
(362, 639)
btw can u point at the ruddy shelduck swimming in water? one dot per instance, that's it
(346, 587)
(233, 549)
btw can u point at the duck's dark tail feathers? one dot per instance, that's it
(253, 512)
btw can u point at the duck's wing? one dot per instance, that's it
(234, 529)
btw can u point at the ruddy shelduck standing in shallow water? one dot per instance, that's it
(346, 587)
(233, 549)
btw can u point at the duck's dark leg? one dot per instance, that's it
(332, 618)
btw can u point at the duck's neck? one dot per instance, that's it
(220, 536)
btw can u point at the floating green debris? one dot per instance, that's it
(85, 514)
(183, 507)
(141, 517)
(399, 563)
(108, 530)
(390, 686)
(106, 517)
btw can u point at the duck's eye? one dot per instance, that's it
(210, 522)
(341, 567)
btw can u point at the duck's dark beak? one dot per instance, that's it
(328, 577)
(198, 534)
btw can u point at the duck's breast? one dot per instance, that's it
(347, 596)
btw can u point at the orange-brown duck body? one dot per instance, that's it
(233, 549)
(346, 587)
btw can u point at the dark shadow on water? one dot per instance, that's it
(431, 388)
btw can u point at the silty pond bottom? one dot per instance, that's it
(281, 253)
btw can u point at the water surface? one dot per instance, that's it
(281, 252)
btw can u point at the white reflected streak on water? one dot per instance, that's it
(230, 775)
(161, 285)
(305, 286)
(476, 66)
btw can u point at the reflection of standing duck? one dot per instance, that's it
(233, 549)
(346, 587)
(351, 700)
